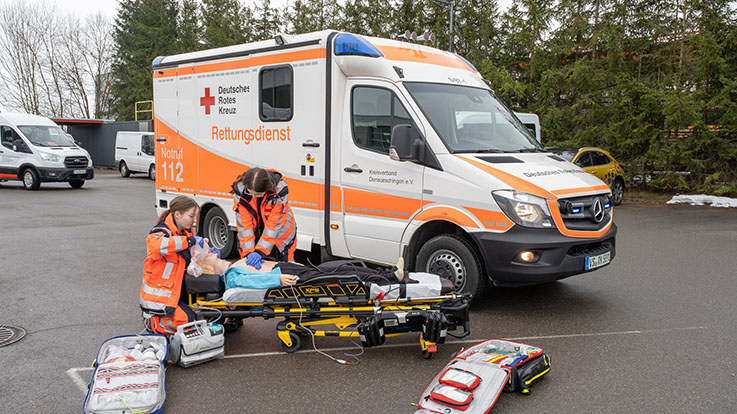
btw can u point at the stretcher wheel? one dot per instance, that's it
(427, 354)
(296, 343)
(232, 324)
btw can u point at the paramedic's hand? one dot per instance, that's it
(254, 259)
(199, 240)
(216, 251)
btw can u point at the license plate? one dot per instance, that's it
(79, 172)
(598, 261)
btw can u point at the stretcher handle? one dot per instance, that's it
(466, 331)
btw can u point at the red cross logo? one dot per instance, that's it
(207, 101)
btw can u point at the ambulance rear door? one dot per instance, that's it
(380, 195)
(169, 161)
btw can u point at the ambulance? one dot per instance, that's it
(390, 150)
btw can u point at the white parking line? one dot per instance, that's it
(77, 379)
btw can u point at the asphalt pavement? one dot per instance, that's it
(653, 332)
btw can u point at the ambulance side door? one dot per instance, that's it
(379, 194)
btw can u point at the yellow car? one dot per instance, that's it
(600, 163)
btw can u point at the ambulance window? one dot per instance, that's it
(276, 86)
(375, 112)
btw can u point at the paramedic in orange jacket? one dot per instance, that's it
(167, 258)
(265, 220)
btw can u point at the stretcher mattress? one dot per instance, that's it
(428, 285)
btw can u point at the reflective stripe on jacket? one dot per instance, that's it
(273, 211)
(163, 269)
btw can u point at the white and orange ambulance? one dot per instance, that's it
(390, 150)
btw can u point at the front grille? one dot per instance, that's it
(75, 162)
(590, 249)
(578, 212)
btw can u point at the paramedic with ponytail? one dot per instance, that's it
(168, 255)
(264, 218)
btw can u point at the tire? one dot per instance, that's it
(428, 355)
(30, 179)
(152, 171)
(231, 325)
(215, 228)
(124, 171)
(76, 183)
(452, 257)
(296, 343)
(617, 191)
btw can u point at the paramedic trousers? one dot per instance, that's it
(287, 252)
(168, 325)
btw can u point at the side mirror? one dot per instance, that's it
(19, 146)
(405, 143)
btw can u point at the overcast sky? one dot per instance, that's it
(110, 7)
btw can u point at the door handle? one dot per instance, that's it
(353, 170)
(311, 144)
(161, 139)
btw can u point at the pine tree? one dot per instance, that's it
(267, 23)
(188, 27)
(225, 22)
(144, 29)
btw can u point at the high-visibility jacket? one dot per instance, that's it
(164, 267)
(272, 212)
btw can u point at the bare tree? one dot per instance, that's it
(56, 64)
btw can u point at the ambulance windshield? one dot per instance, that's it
(472, 120)
(46, 136)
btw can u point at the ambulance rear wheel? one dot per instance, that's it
(452, 257)
(215, 228)
(124, 171)
(296, 343)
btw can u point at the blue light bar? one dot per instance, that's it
(352, 45)
(466, 62)
(157, 61)
(607, 205)
(576, 210)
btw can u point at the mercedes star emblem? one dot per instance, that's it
(598, 211)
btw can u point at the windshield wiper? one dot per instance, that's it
(482, 151)
(531, 150)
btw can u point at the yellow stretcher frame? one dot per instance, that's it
(342, 316)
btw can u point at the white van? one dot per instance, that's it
(34, 150)
(134, 153)
(389, 149)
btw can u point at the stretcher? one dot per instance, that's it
(341, 305)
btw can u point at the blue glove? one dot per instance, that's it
(254, 259)
(216, 251)
(199, 240)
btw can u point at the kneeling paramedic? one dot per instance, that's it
(167, 258)
(264, 218)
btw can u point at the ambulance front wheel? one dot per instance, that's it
(76, 183)
(296, 343)
(452, 257)
(215, 228)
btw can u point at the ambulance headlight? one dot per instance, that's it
(49, 157)
(524, 209)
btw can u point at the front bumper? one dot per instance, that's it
(560, 256)
(65, 174)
